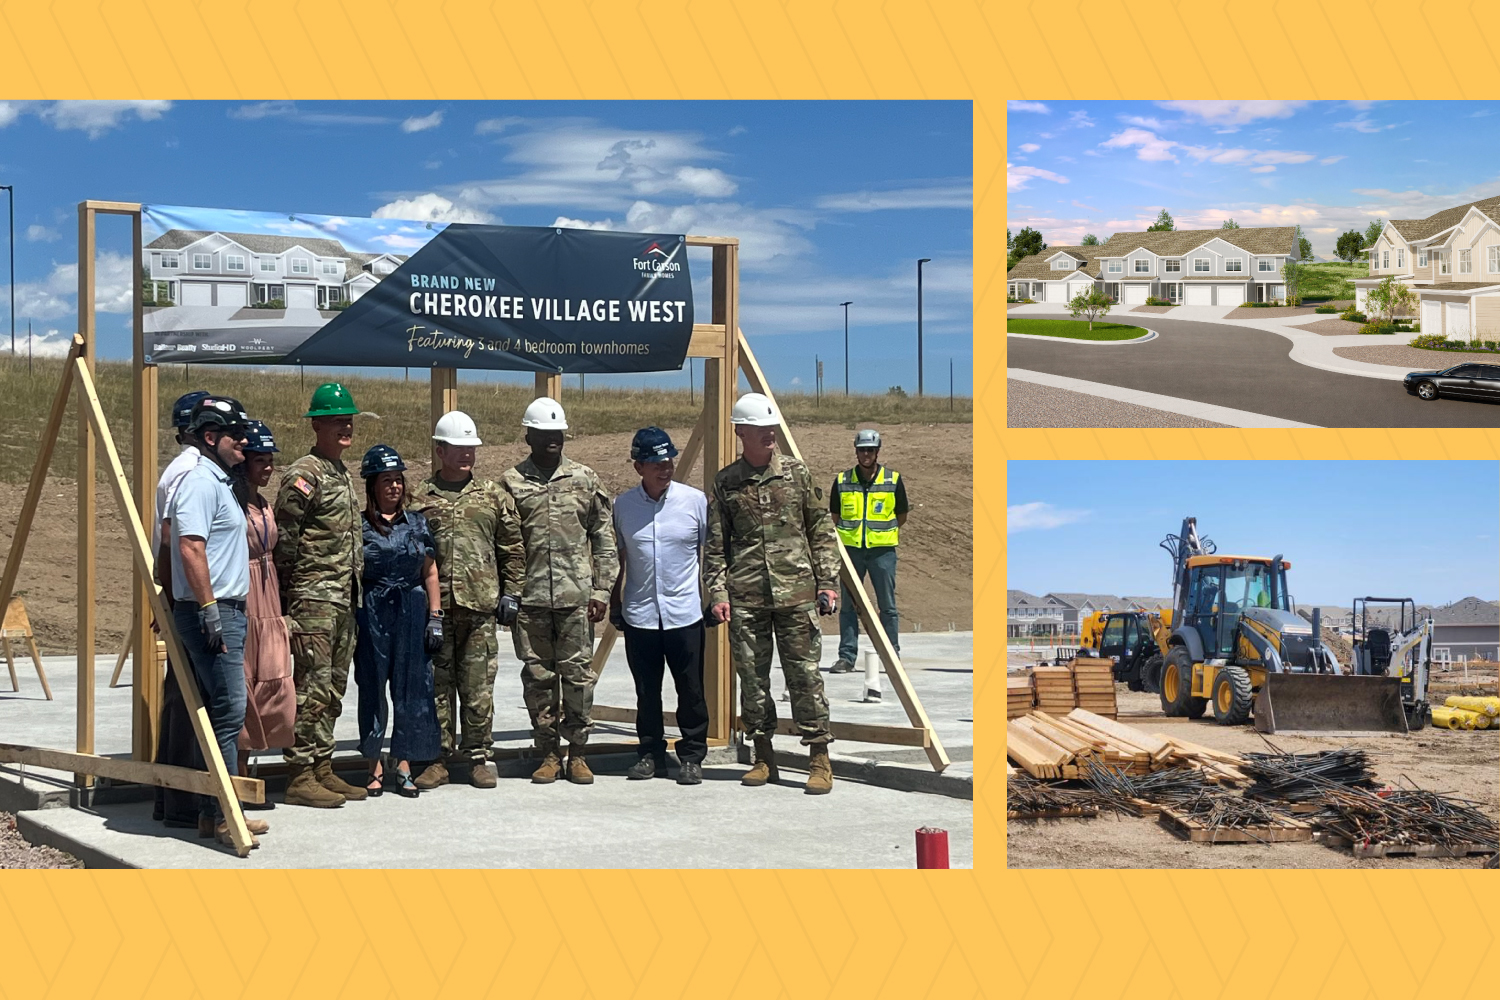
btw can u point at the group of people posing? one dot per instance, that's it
(273, 601)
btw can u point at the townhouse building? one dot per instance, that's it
(1209, 267)
(1451, 259)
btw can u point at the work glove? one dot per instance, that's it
(432, 640)
(507, 610)
(827, 605)
(617, 616)
(212, 627)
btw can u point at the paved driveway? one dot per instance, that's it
(1247, 369)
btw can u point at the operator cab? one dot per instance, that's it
(1222, 588)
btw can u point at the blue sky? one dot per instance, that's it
(1101, 167)
(1426, 530)
(832, 201)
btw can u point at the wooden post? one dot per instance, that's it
(444, 400)
(720, 378)
(146, 678)
(549, 385)
(86, 560)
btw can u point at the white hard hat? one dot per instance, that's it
(754, 410)
(456, 427)
(867, 437)
(545, 414)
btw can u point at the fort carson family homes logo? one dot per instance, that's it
(658, 263)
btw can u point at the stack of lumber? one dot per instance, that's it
(1018, 696)
(1054, 689)
(1057, 746)
(1094, 685)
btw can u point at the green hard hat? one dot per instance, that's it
(331, 400)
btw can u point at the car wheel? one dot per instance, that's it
(1427, 390)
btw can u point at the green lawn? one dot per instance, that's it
(1327, 279)
(1073, 329)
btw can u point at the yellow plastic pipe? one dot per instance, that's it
(1485, 706)
(1449, 718)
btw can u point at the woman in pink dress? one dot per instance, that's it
(270, 695)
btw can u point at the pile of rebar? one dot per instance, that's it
(1026, 796)
(1304, 777)
(1165, 787)
(1221, 810)
(1407, 817)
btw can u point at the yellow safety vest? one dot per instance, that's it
(867, 514)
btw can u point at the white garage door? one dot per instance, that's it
(1135, 295)
(231, 293)
(301, 297)
(1079, 288)
(1200, 295)
(1458, 321)
(197, 293)
(1432, 317)
(1231, 295)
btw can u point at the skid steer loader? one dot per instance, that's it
(1237, 646)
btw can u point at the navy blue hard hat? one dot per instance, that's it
(182, 410)
(222, 413)
(381, 458)
(651, 444)
(258, 438)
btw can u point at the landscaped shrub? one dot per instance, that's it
(1152, 300)
(1434, 340)
(1353, 315)
(1377, 327)
(1326, 309)
(273, 304)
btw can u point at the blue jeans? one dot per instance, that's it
(221, 684)
(880, 565)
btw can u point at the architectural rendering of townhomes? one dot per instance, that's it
(1451, 259)
(196, 268)
(1208, 267)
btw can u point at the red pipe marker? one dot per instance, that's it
(932, 847)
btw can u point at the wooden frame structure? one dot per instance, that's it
(726, 353)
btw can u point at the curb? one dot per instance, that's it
(880, 774)
(18, 794)
(1150, 335)
(92, 857)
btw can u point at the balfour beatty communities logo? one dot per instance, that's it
(657, 262)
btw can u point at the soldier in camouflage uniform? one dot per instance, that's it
(571, 564)
(319, 557)
(771, 567)
(479, 560)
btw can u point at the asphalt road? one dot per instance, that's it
(1249, 370)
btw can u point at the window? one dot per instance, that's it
(1493, 254)
(170, 262)
(301, 265)
(1421, 258)
(1142, 267)
(268, 263)
(1465, 262)
(1233, 264)
(202, 261)
(1174, 265)
(270, 293)
(330, 267)
(1400, 257)
(1443, 263)
(1061, 264)
(1385, 259)
(1202, 264)
(1265, 265)
(234, 262)
(1116, 267)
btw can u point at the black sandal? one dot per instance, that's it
(405, 787)
(375, 787)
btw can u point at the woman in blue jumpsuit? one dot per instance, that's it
(400, 625)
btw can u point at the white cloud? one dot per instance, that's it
(56, 295)
(738, 130)
(1148, 146)
(289, 109)
(1152, 148)
(936, 195)
(41, 234)
(1029, 147)
(98, 117)
(808, 303)
(423, 123)
(1229, 116)
(10, 111)
(563, 222)
(1331, 159)
(1153, 124)
(1362, 123)
(1039, 517)
(1016, 178)
(1262, 170)
(494, 126)
(52, 344)
(431, 207)
(1036, 107)
(1080, 119)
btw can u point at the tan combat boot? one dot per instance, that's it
(819, 770)
(302, 789)
(578, 768)
(764, 769)
(434, 775)
(550, 769)
(323, 771)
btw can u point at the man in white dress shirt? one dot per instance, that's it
(661, 527)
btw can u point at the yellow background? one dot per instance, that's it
(763, 934)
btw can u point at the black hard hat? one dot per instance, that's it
(381, 458)
(218, 412)
(258, 438)
(651, 444)
(182, 410)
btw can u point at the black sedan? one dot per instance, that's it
(1467, 381)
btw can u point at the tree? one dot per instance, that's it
(1291, 273)
(1092, 304)
(1010, 241)
(1392, 296)
(1304, 249)
(1373, 231)
(1090, 240)
(1163, 223)
(1028, 241)
(1230, 224)
(1349, 246)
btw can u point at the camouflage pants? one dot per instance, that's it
(463, 674)
(800, 642)
(322, 649)
(556, 648)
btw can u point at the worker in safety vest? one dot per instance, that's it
(868, 503)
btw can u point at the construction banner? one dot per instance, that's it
(225, 286)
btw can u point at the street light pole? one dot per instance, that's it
(10, 190)
(846, 306)
(924, 260)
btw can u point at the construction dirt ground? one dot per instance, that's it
(1463, 764)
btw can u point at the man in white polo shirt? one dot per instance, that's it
(661, 527)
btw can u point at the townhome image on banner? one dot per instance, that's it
(1452, 261)
(1195, 267)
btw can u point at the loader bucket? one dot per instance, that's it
(1329, 703)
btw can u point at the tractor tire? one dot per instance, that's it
(1177, 681)
(1151, 674)
(1232, 696)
